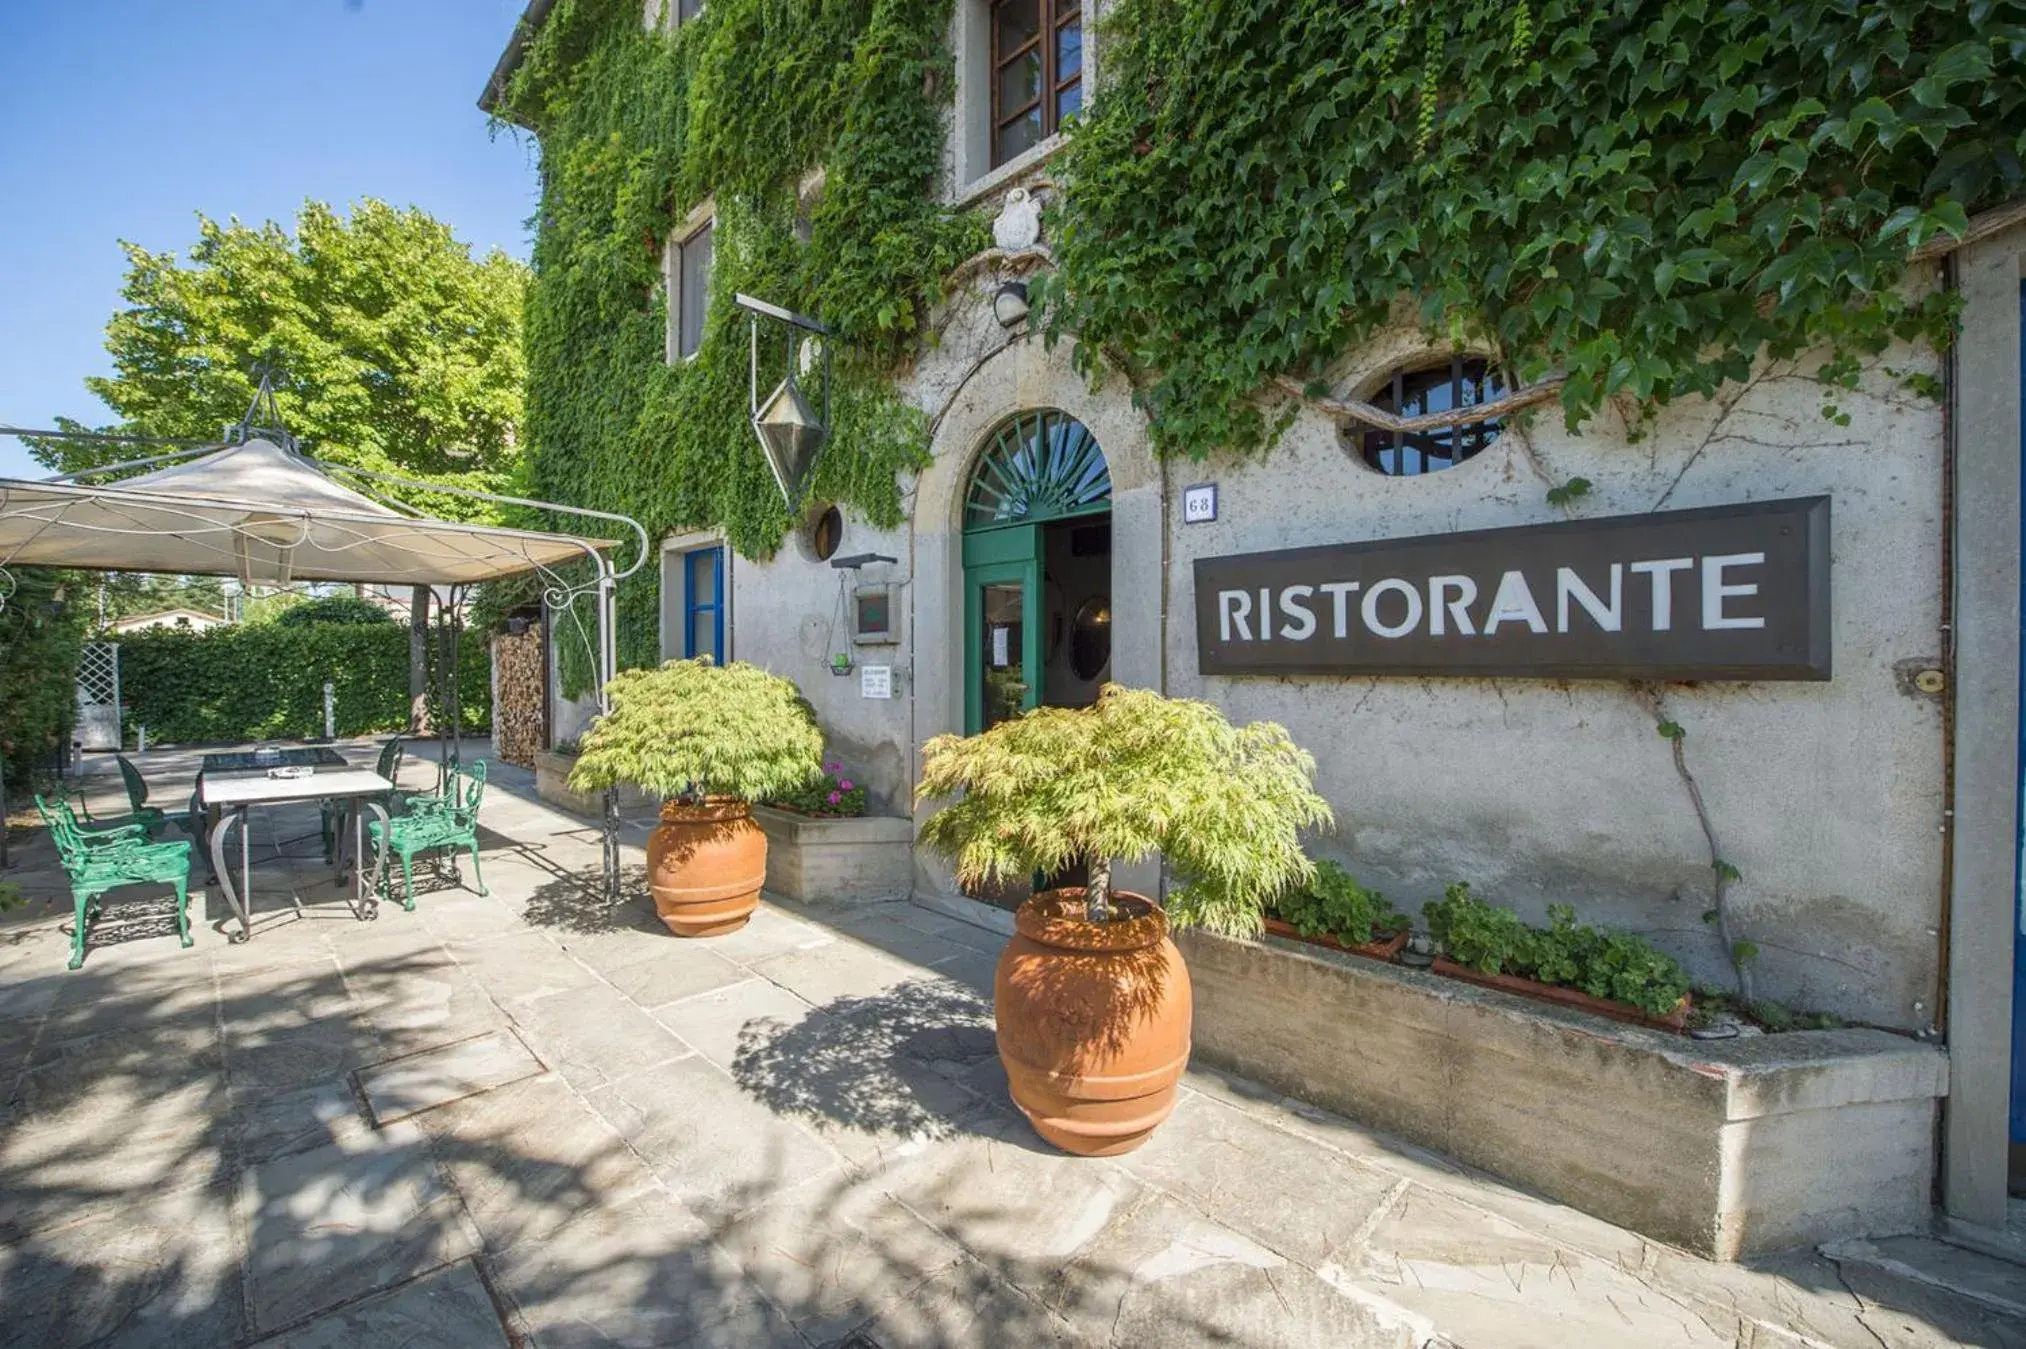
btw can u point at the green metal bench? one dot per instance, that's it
(446, 821)
(102, 859)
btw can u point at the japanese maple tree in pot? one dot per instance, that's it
(710, 740)
(1092, 998)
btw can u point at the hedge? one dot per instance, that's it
(39, 638)
(266, 681)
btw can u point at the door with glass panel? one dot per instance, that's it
(1002, 661)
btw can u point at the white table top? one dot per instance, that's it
(254, 787)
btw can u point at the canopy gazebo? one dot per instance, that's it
(256, 508)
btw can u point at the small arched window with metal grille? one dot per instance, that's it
(1041, 465)
(1459, 382)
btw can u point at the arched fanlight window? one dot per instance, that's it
(1040, 465)
(1460, 381)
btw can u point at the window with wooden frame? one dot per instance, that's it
(687, 267)
(1037, 71)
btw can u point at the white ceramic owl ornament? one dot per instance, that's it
(1018, 224)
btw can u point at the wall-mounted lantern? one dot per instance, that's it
(1010, 304)
(791, 429)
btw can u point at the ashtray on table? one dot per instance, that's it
(292, 771)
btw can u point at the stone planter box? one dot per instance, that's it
(552, 784)
(846, 861)
(1728, 1148)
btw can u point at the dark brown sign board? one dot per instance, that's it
(1726, 592)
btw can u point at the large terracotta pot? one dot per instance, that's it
(1093, 1021)
(705, 866)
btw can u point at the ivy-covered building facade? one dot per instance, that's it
(1594, 436)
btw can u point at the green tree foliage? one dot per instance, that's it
(738, 104)
(41, 628)
(1135, 775)
(1646, 194)
(341, 609)
(400, 352)
(113, 595)
(692, 730)
(263, 681)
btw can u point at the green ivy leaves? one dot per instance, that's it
(1647, 195)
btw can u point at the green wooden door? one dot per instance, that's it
(1002, 624)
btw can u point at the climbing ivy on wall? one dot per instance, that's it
(738, 105)
(1645, 194)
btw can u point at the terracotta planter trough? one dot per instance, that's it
(1568, 997)
(1388, 949)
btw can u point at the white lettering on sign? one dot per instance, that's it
(1392, 585)
(1715, 592)
(1338, 591)
(1233, 607)
(1662, 572)
(1514, 603)
(1569, 586)
(1457, 608)
(1301, 624)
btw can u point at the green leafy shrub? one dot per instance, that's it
(332, 609)
(832, 795)
(1333, 904)
(40, 635)
(1615, 965)
(266, 681)
(10, 893)
(1133, 775)
(693, 729)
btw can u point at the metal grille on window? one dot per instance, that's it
(1040, 466)
(1460, 382)
(1037, 71)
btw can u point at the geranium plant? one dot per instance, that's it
(1134, 775)
(1335, 905)
(832, 794)
(693, 729)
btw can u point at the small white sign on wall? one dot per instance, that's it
(1199, 503)
(875, 681)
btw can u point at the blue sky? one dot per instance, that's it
(120, 119)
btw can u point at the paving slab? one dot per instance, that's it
(1291, 1195)
(335, 1224)
(669, 970)
(398, 1088)
(310, 1117)
(594, 1036)
(970, 1303)
(522, 966)
(275, 1065)
(449, 1309)
(529, 1157)
(834, 971)
(715, 1148)
(640, 1273)
(159, 1271)
(716, 1023)
(769, 932)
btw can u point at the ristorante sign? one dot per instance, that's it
(1729, 592)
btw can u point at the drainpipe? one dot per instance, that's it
(1940, 1018)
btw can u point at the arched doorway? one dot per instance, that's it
(1037, 569)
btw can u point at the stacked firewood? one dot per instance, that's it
(517, 705)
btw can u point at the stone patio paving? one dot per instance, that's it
(525, 1119)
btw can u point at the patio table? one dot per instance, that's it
(233, 792)
(302, 756)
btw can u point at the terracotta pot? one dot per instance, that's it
(1093, 1021)
(705, 866)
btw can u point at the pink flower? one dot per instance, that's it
(835, 797)
(845, 785)
(831, 767)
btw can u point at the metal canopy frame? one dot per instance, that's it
(560, 594)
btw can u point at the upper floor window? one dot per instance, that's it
(688, 267)
(1037, 71)
(703, 604)
(1459, 382)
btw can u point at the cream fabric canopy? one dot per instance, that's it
(262, 513)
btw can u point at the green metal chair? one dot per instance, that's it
(137, 796)
(99, 860)
(449, 821)
(388, 766)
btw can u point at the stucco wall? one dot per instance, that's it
(1826, 796)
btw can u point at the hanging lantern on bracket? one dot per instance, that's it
(792, 428)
